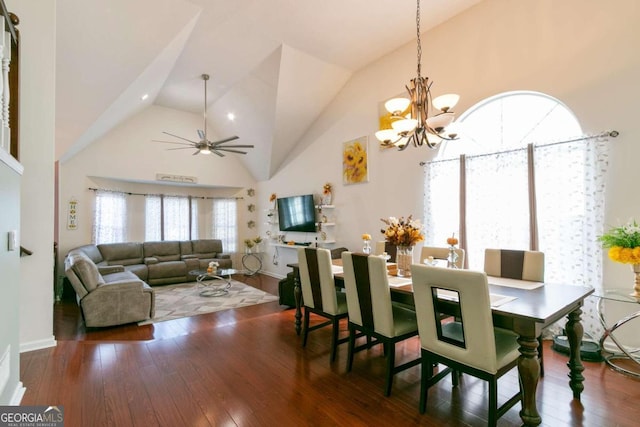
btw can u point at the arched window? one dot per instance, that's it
(527, 180)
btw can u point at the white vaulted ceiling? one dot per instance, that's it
(276, 64)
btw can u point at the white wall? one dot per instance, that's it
(37, 114)
(126, 159)
(496, 46)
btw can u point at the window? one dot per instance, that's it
(547, 197)
(529, 180)
(110, 217)
(225, 223)
(170, 218)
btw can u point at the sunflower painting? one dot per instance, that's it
(354, 161)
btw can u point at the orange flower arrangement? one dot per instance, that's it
(401, 232)
(326, 190)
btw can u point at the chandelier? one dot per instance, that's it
(410, 121)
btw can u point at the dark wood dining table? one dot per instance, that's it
(527, 314)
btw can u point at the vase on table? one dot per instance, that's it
(366, 246)
(404, 259)
(636, 287)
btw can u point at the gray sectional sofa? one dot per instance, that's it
(112, 280)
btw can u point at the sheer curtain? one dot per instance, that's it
(152, 218)
(109, 217)
(497, 211)
(176, 218)
(195, 205)
(441, 201)
(225, 223)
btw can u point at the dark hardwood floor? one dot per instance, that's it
(246, 367)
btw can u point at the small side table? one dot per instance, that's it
(623, 296)
(252, 263)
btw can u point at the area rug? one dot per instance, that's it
(184, 300)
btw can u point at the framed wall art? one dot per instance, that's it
(355, 167)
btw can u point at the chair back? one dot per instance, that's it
(470, 341)
(368, 294)
(442, 253)
(514, 264)
(316, 279)
(384, 246)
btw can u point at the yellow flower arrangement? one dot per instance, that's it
(401, 232)
(326, 189)
(623, 243)
(366, 236)
(273, 197)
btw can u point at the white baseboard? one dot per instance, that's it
(17, 395)
(268, 273)
(38, 345)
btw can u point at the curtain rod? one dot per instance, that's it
(166, 195)
(611, 133)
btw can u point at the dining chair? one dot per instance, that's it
(373, 314)
(471, 344)
(442, 253)
(519, 265)
(319, 294)
(389, 248)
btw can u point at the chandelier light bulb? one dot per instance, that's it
(404, 126)
(397, 105)
(446, 102)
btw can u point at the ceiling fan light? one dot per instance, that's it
(397, 105)
(205, 150)
(445, 102)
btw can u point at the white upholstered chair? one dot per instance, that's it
(320, 295)
(471, 344)
(373, 314)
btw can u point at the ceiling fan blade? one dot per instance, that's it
(236, 146)
(217, 153)
(230, 151)
(172, 142)
(179, 137)
(196, 153)
(222, 141)
(201, 134)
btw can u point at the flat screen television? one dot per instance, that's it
(297, 213)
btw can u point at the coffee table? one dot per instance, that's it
(211, 287)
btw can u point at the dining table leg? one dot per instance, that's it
(297, 296)
(529, 372)
(575, 331)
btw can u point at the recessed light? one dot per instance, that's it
(231, 116)
(144, 97)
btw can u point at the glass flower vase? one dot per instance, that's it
(366, 247)
(404, 259)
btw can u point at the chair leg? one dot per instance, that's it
(426, 372)
(455, 378)
(391, 360)
(305, 327)
(540, 356)
(493, 402)
(352, 344)
(334, 338)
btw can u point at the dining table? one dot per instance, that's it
(524, 309)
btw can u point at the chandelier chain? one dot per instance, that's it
(418, 37)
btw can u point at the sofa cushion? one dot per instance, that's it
(121, 277)
(86, 270)
(92, 252)
(163, 251)
(206, 248)
(168, 269)
(185, 248)
(121, 253)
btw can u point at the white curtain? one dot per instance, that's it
(176, 218)
(442, 201)
(569, 194)
(497, 211)
(195, 231)
(109, 217)
(152, 218)
(225, 223)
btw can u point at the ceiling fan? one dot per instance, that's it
(204, 146)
